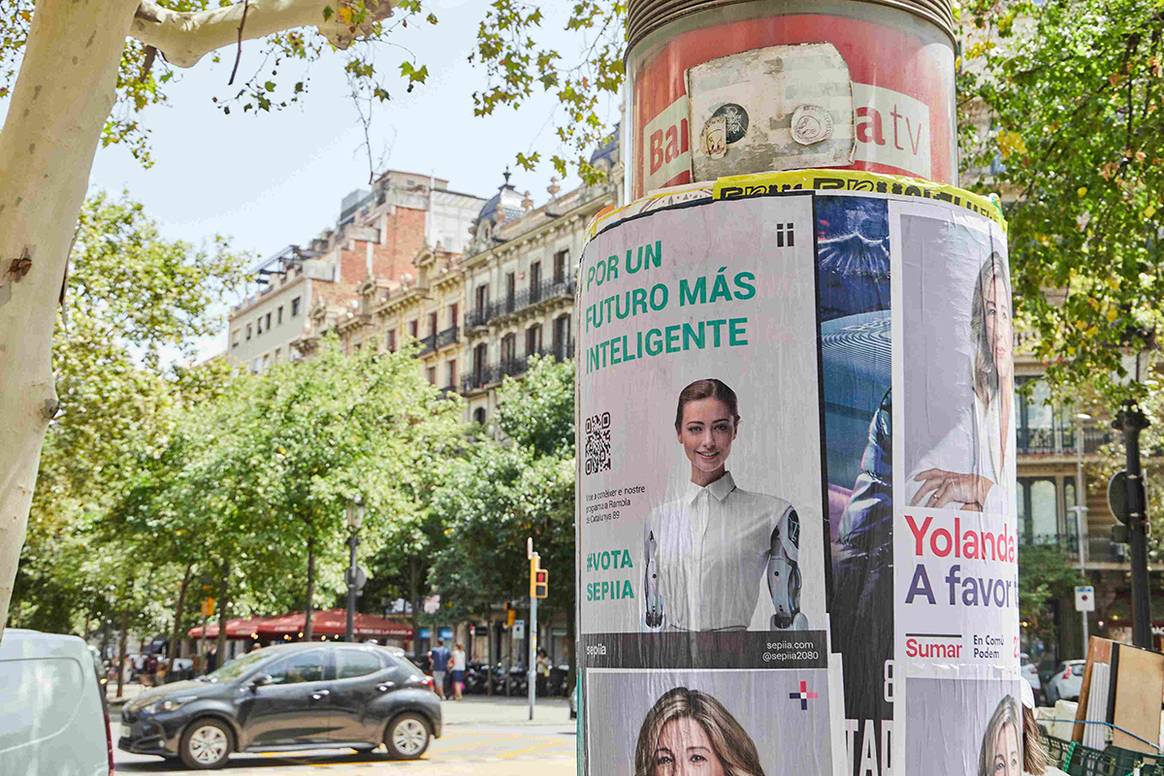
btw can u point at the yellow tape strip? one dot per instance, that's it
(763, 184)
(851, 181)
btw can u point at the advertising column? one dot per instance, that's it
(796, 515)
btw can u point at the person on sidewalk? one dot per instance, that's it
(543, 673)
(439, 659)
(458, 659)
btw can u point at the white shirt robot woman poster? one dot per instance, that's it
(701, 504)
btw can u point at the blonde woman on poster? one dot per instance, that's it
(710, 552)
(1001, 751)
(688, 732)
(968, 468)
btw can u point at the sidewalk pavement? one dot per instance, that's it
(500, 710)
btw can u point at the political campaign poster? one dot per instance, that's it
(701, 500)
(853, 312)
(742, 525)
(955, 515)
(730, 722)
(964, 726)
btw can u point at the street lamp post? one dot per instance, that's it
(355, 518)
(1130, 422)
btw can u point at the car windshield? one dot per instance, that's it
(236, 668)
(1077, 669)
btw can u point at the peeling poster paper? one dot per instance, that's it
(755, 96)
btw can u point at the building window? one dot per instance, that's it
(248, 332)
(452, 373)
(454, 314)
(533, 339)
(268, 321)
(480, 355)
(508, 348)
(279, 316)
(479, 416)
(295, 306)
(535, 281)
(432, 323)
(234, 340)
(482, 301)
(390, 340)
(430, 373)
(510, 291)
(560, 260)
(1038, 510)
(412, 328)
(561, 336)
(258, 325)
(278, 352)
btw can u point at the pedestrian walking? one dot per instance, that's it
(458, 661)
(439, 659)
(543, 673)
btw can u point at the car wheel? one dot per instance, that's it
(407, 737)
(205, 744)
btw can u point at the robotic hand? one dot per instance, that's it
(784, 574)
(651, 597)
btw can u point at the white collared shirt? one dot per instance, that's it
(712, 553)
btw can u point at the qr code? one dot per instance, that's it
(598, 443)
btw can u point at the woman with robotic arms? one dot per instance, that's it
(709, 551)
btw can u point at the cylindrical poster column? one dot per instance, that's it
(796, 510)
(726, 87)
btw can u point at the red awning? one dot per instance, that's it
(329, 622)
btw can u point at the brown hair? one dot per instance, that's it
(708, 388)
(1035, 755)
(733, 746)
(1006, 713)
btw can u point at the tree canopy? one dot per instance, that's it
(1073, 92)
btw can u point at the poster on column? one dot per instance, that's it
(701, 526)
(853, 314)
(955, 517)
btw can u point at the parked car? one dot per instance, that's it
(1030, 673)
(285, 698)
(1066, 682)
(53, 717)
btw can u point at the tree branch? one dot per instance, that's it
(185, 37)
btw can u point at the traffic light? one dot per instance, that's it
(541, 585)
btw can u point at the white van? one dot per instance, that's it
(52, 714)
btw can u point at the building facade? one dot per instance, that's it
(304, 290)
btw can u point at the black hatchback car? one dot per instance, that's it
(285, 698)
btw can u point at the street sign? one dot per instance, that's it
(1117, 496)
(1085, 598)
(357, 578)
(519, 629)
(480, 630)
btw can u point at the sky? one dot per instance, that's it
(270, 180)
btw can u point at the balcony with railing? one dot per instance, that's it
(449, 336)
(485, 375)
(1100, 547)
(520, 300)
(427, 345)
(1060, 440)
